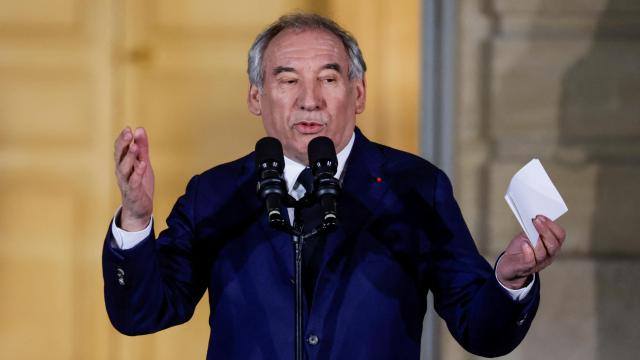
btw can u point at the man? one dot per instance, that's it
(401, 232)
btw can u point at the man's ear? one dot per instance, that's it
(361, 95)
(253, 100)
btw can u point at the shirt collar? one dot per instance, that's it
(292, 169)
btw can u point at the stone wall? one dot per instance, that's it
(558, 81)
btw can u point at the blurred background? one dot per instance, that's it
(477, 86)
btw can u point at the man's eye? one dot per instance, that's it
(289, 81)
(329, 80)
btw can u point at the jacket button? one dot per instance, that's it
(521, 321)
(120, 275)
(312, 340)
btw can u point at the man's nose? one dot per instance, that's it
(310, 97)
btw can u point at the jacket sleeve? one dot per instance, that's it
(479, 313)
(157, 283)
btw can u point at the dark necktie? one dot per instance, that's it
(313, 246)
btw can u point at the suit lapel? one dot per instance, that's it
(362, 188)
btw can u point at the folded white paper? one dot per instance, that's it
(532, 193)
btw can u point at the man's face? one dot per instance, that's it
(307, 91)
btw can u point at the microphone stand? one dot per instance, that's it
(269, 162)
(298, 243)
(298, 236)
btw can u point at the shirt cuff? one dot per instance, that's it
(517, 294)
(127, 239)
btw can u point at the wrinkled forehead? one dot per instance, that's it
(305, 44)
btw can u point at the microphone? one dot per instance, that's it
(271, 184)
(324, 164)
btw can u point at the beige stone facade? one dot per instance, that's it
(560, 81)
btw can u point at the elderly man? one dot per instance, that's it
(400, 235)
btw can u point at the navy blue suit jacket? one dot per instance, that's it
(398, 238)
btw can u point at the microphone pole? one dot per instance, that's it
(298, 243)
(272, 189)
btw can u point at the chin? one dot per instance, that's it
(298, 150)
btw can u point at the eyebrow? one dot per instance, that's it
(333, 66)
(280, 69)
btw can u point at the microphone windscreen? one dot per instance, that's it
(269, 149)
(321, 148)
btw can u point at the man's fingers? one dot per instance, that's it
(120, 146)
(138, 172)
(528, 256)
(125, 167)
(547, 237)
(539, 250)
(141, 139)
(556, 229)
(551, 244)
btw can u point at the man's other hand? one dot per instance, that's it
(521, 260)
(135, 178)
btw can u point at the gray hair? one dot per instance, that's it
(301, 21)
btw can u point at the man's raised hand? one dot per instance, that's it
(135, 178)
